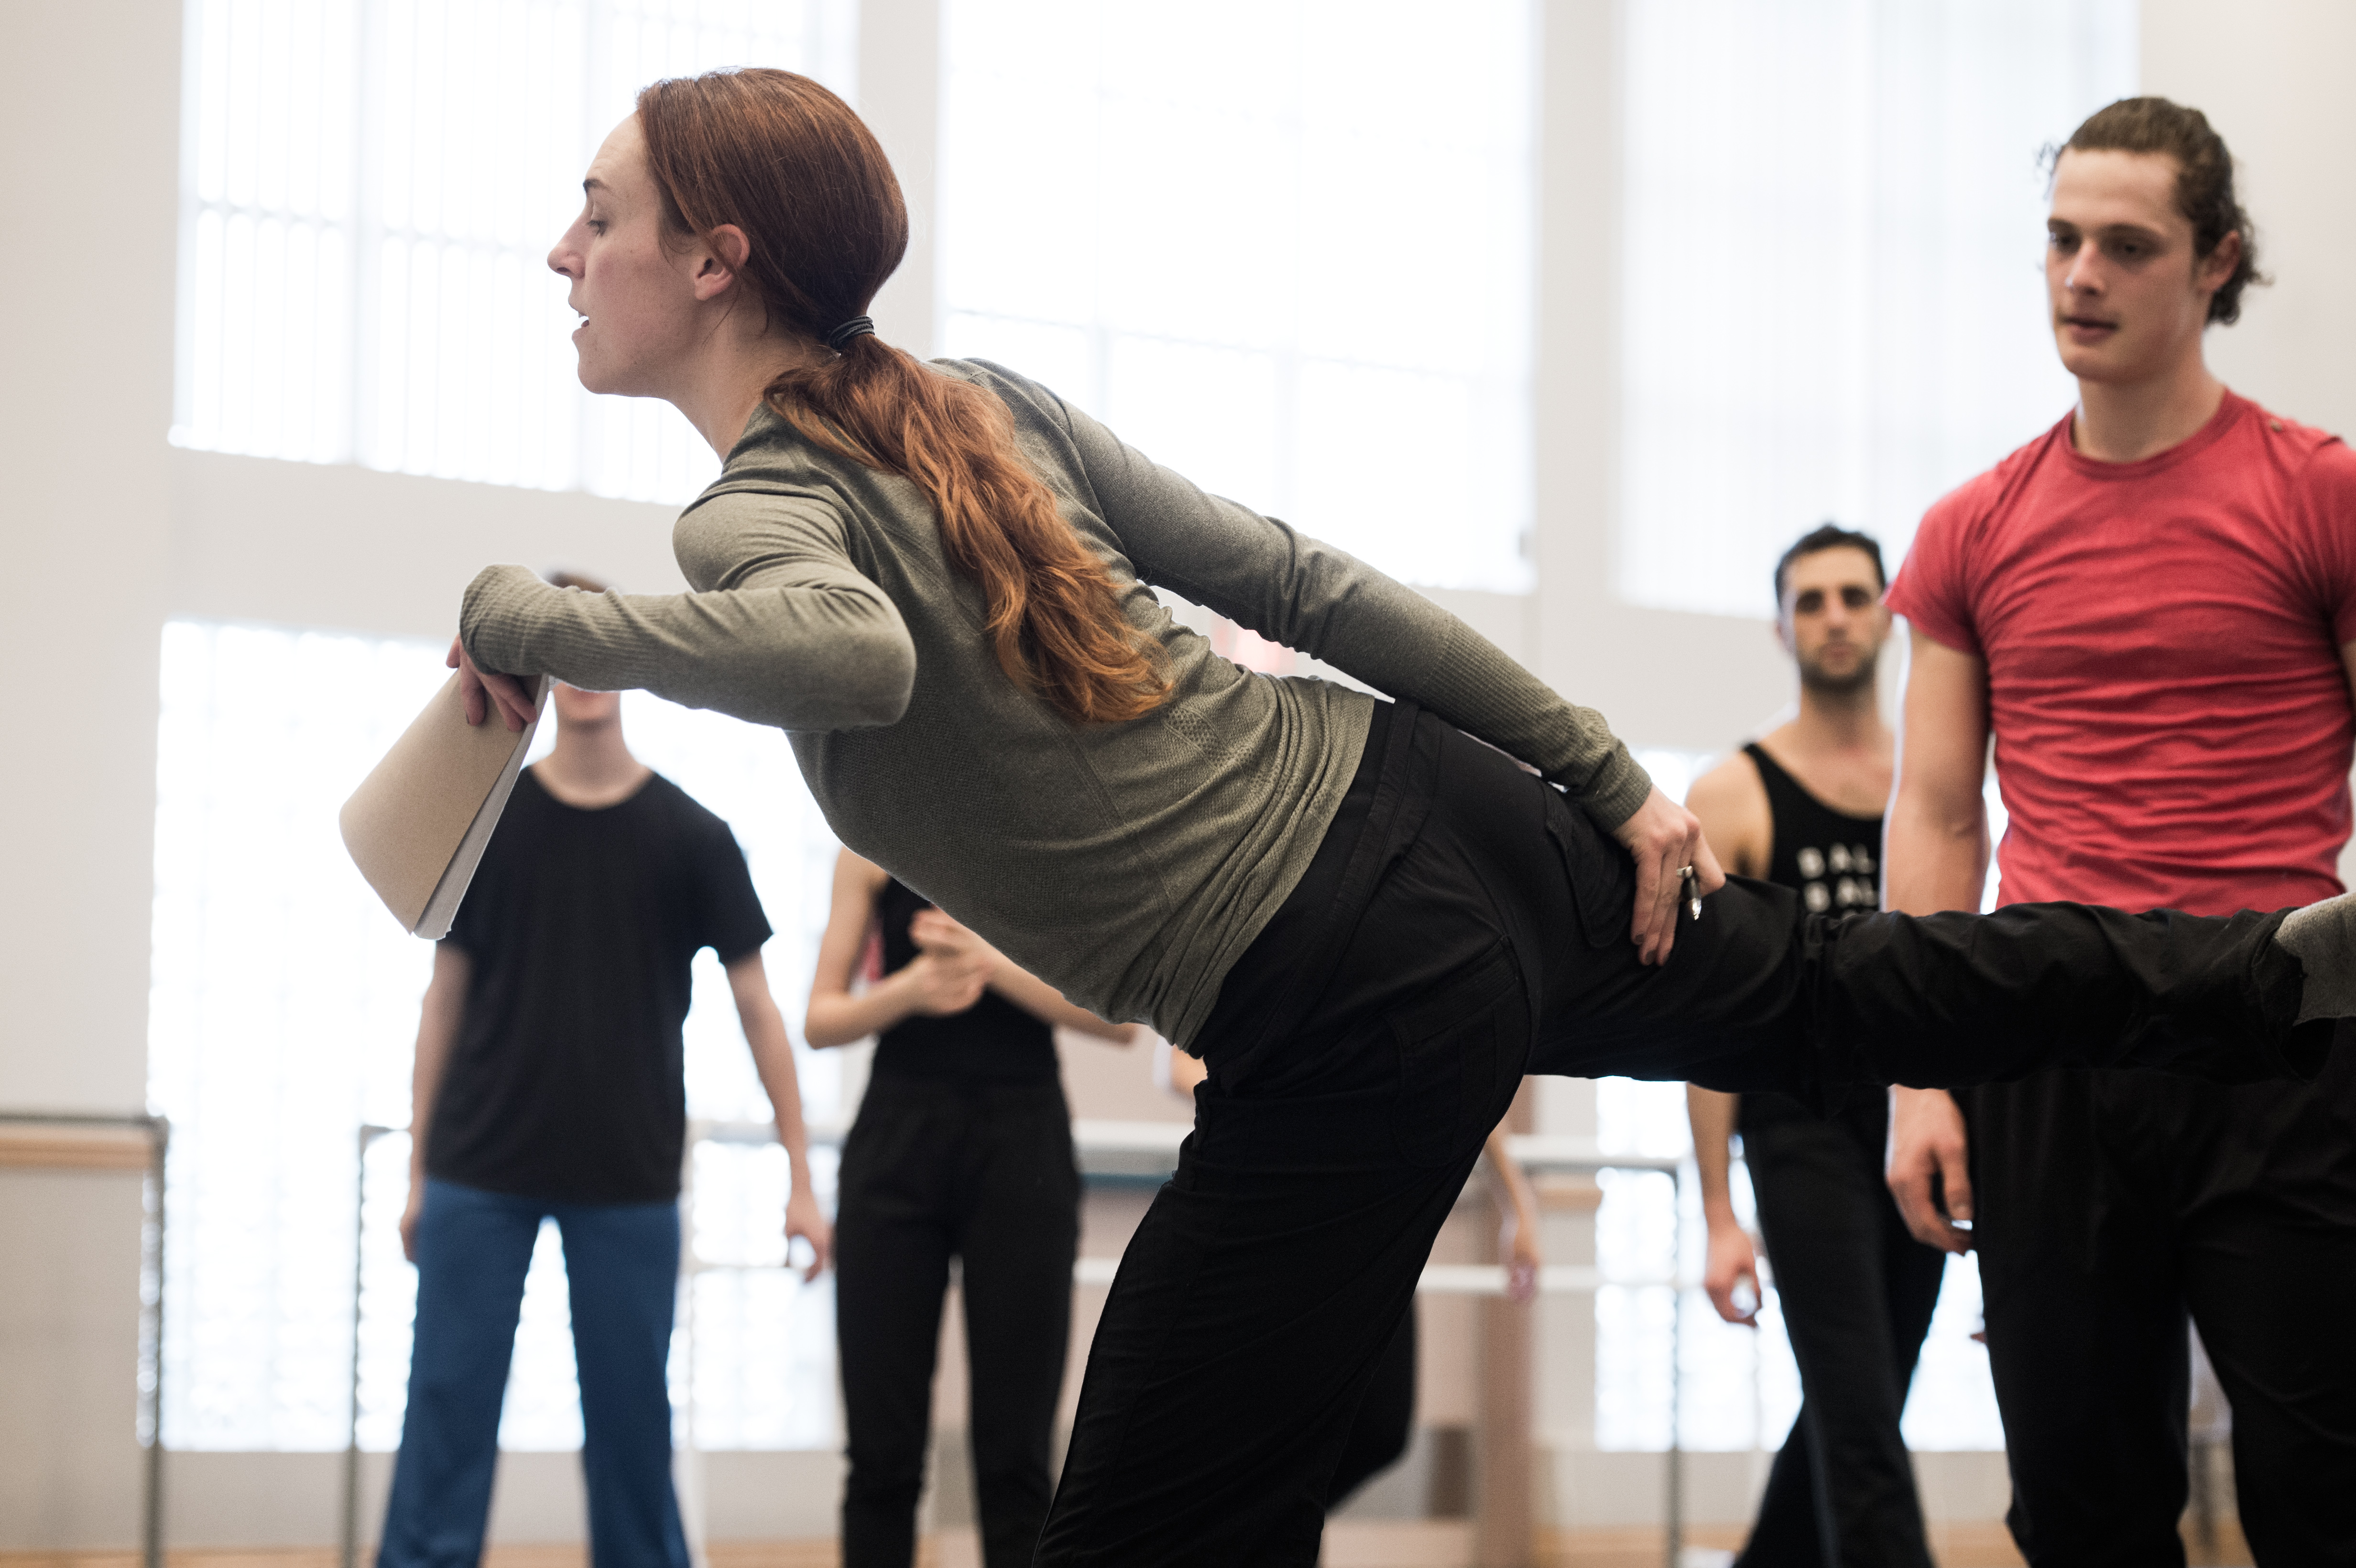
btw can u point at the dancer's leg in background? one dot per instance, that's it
(893, 1234)
(621, 1265)
(473, 1249)
(1856, 1312)
(1020, 1233)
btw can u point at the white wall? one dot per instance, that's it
(86, 290)
(1664, 678)
(2272, 76)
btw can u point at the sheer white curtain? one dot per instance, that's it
(1282, 246)
(369, 192)
(1833, 293)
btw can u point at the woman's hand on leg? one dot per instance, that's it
(1664, 838)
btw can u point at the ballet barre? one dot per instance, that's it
(1117, 1153)
(77, 1142)
(1114, 1153)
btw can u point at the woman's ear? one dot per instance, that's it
(719, 258)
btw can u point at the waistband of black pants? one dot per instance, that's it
(1277, 983)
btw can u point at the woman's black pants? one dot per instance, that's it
(1463, 924)
(983, 1173)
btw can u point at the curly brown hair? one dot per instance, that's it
(2204, 179)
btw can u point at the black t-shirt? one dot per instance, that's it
(567, 1079)
(992, 1041)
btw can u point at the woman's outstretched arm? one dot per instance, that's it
(1306, 594)
(791, 634)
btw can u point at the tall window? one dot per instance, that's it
(1833, 303)
(369, 192)
(284, 1007)
(1284, 245)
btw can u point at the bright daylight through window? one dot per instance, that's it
(368, 191)
(1833, 229)
(1288, 250)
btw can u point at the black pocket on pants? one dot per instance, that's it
(1460, 1052)
(1602, 878)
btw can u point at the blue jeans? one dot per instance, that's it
(621, 1262)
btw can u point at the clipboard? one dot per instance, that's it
(417, 826)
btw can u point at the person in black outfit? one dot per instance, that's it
(1856, 1289)
(962, 1149)
(550, 1084)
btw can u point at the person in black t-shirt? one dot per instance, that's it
(548, 1085)
(1803, 806)
(962, 1147)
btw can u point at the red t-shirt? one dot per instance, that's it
(2162, 639)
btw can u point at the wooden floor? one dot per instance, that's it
(1361, 1543)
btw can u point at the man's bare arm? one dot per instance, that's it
(1732, 805)
(437, 1030)
(1731, 1259)
(773, 1059)
(1935, 858)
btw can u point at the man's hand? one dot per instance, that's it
(1663, 838)
(1927, 1140)
(803, 1220)
(1524, 1257)
(479, 691)
(411, 1215)
(1732, 1264)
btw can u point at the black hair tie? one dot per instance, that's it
(857, 326)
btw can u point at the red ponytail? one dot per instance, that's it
(788, 162)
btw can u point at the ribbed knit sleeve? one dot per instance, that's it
(789, 633)
(1304, 595)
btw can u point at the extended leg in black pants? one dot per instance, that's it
(1464, 924)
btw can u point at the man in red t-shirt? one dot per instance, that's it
(2152, 609)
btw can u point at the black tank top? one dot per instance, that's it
(1835, 861)
(992, 1041)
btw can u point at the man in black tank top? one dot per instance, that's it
(1803, 806)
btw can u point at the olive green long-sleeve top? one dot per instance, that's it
(1127, 864)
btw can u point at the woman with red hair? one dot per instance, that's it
(936, 578)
